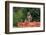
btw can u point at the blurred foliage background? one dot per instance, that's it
(20, 14)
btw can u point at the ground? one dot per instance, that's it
(28, 24)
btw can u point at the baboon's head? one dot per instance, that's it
(29, 16)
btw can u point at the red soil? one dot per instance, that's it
(28, 24)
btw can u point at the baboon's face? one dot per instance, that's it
(29, 17)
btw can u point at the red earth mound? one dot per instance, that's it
(28, 24)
